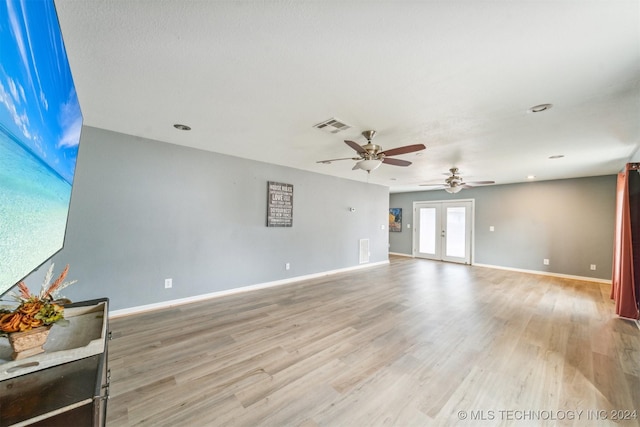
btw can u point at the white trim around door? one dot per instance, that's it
(444, 230)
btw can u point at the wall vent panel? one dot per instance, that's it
(364, 251)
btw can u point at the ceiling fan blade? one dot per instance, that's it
(480, 182)
(396, 162)
(403, 150)
(334, 160)
(356, 146)
(433, 185)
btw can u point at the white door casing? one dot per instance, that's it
(443, 230)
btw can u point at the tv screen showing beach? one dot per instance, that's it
(40, 124)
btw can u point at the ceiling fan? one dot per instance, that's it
(371, 155)
(454, 183)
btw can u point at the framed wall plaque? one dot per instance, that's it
(279, 204)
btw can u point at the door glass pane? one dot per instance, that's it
(427, 240)
(456, 232)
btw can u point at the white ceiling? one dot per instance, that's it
(252, 77)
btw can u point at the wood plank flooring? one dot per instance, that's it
(412, 343)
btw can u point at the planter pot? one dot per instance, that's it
(28, 343)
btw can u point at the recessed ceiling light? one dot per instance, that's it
(540, 108)
(181, 127)
(531, 177)
(557, 156)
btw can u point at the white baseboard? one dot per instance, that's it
(172, 303)
(546, 273)
(400, 254)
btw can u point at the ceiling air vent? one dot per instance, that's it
(332, 125)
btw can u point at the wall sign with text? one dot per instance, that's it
(279, 204)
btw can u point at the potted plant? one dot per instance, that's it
(27, 326)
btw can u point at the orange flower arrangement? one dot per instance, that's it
(35, 310)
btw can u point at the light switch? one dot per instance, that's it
(408, 225)
(492, 228)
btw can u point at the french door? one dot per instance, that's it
(443, 230)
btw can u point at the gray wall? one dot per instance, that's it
(143, 211)
(570, 222)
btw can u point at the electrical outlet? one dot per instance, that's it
(287, 266)
(168, 283)
(545, 261)
(593, 267)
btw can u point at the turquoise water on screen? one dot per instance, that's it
(34, 202)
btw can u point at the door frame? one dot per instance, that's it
(472, 220)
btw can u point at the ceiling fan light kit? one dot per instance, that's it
(453, 190)
(368, 165)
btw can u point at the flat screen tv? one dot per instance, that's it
(40, 124)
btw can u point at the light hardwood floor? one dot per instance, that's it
(414, 343)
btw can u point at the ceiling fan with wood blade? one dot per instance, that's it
(454, 182)
(371, 156)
